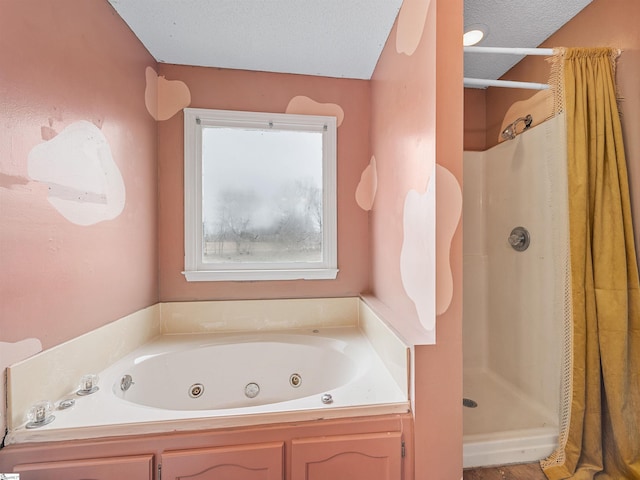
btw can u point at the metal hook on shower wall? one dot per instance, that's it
(510, 131)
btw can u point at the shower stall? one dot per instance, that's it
(515, 296)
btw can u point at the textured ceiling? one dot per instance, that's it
(513, 23)
(333, 38)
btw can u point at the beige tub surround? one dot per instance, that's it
(257, 315)
(55, 373)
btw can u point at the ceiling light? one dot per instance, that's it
(472, 37)
(474, 34)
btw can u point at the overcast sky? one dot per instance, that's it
(261, 161)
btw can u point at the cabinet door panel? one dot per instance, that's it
(241, 462)
(132, 468)
(375, 456)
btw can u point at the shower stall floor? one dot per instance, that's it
(506, 426)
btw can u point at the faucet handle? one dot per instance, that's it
(40, 414)
(88, 384)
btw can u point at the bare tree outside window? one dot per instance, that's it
(262, 196)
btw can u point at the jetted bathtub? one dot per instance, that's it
(202, 381)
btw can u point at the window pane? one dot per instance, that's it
(261, 195)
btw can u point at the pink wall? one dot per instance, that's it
(475, 118)
(265, 92)
(77, 240)
(416, 123)
(442, 365)
(403, 143)
(77, 61)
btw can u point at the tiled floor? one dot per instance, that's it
(527, 471)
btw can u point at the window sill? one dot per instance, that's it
(260, 275)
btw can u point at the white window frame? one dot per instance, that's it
(195, 119)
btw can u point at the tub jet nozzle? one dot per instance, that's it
(252, 390)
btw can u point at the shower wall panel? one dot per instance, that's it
(524, 184)
(475, 293)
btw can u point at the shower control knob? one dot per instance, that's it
(516, 239)
(519, 239)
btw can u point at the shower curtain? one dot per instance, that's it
(602, 435)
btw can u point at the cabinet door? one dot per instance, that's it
(132, 468)
(240, 462)
(373, 456)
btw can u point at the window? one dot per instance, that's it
(260, 196)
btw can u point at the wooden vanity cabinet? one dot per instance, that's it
(138, 467)
(240, 462)
(374, 456)
(363, 448)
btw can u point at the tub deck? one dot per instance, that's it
(102, 414)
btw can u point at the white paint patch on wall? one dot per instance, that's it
(164, 98)
(303, 105)
(85, 184)
(449, 211)
(368, 186)
(411, 22)
(418, 255)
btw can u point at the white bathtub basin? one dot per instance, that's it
(241, 372)
(337, 361)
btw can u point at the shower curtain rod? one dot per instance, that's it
(481, 82)
(484, 82)
(510, 50)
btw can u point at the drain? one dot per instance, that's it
(196, 390)
(467, 402)
(125, 382)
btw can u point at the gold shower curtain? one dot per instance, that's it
(602, 436)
